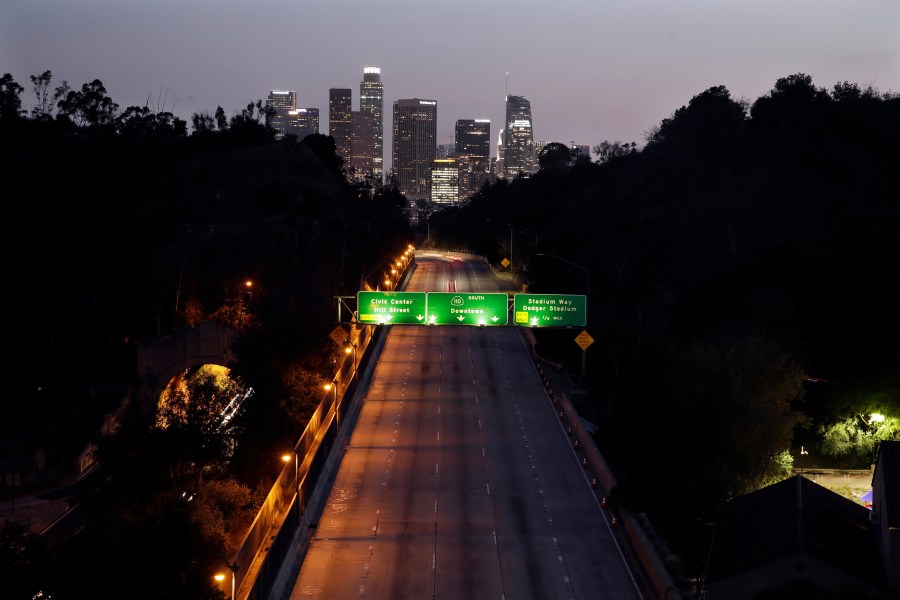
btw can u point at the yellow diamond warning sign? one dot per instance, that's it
(584, 340)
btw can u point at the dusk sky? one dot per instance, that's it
(593, 70)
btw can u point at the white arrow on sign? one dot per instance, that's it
(461, 318)
(495, 318)
(419, 317)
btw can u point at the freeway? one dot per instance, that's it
(458, 480)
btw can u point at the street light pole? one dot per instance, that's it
(587, 293)
(510, 240)
(295, 457)
(587, 273)
(220, 577)
(351, 349)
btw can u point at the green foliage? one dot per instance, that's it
(304, 387)
(747, 243)
(223, 510)
(857, 437)
(140, 229)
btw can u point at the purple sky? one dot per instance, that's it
(593, 70)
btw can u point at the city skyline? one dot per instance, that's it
(592, 72)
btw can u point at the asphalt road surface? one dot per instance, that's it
(458, 480)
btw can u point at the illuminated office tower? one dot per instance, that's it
(518, 139)
(340, 121)
(445, 182)
(473, 143)
(303, 122)
(362, 145)
(498, 164)
(371, 99)
(414, 145)
(281, 102)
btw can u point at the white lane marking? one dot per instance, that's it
(488, 486)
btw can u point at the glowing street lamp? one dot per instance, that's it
(286, 458)
(220, 576)
(329, 387)
(351, 349)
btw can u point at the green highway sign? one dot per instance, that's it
(390, 308)
(467, 308)
(550, 310)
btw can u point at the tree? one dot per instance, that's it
(304, 392)
(793, 101)
(10, 103)
(89, 107)
(223, 511)
(607, 151)
(194, 417)
(203, 123)
(857, 436)
(556, 156)
(251, 124)
(141, 120)
(44, 100)
(221, 119)
(705, 126)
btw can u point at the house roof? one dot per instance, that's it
(888, 467)
(794, 515)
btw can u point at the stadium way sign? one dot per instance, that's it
(550, 310)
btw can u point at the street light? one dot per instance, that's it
(332, 385)
(286, 458)
(587, 273)
(510, 240)
(220, 577)
(351, 349)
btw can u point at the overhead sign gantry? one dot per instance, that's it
(471, 308)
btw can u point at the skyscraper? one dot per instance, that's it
(362, 145)
(445, 174)
(282, 102)
(371, 99)
(302, 122)
(415, 135)
(340, 121)
(518, 139)
(473, 141)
